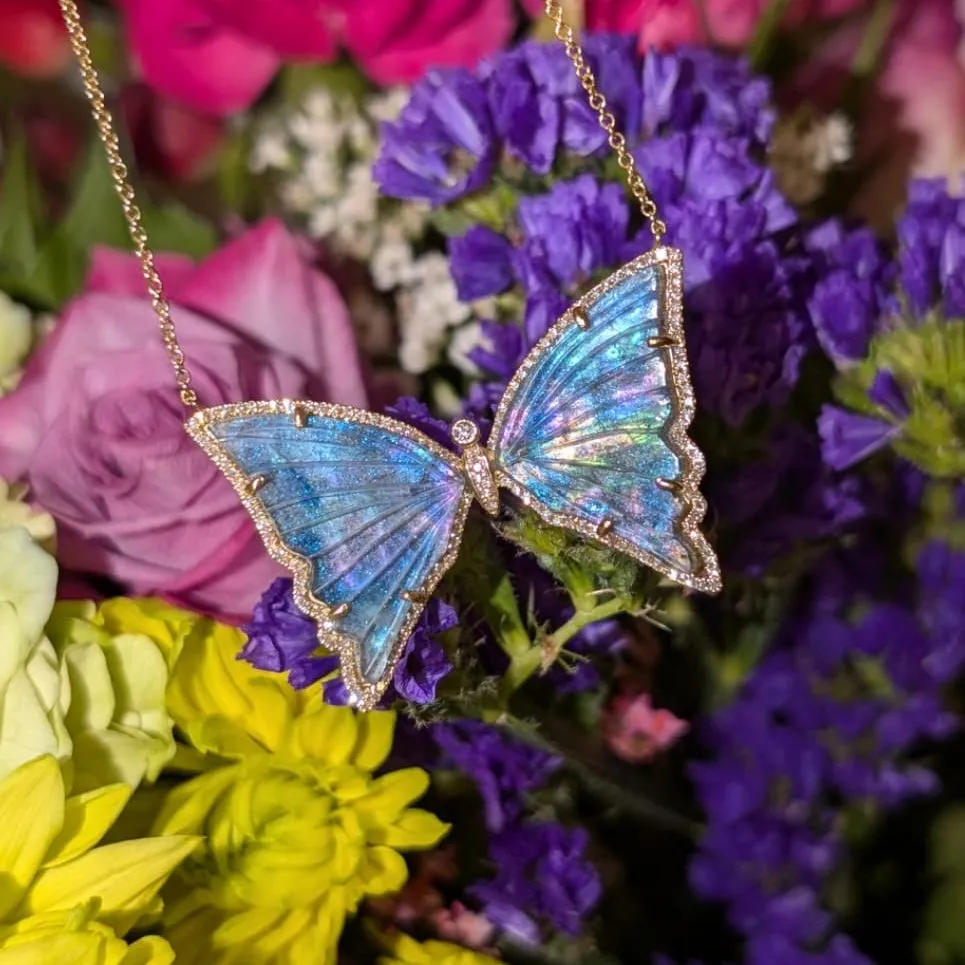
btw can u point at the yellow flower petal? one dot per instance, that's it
(327, 733)
(415, 828)
(393, 792)
(187, 806)
(31, 815)
(375, 730)
(149, 951)
(125, 877)
(87, 818)
(384, 871)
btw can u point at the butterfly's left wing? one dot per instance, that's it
(591, 432)
(365, 511)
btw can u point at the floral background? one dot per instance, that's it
(386, 203)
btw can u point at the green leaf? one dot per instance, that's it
(173, 227)
(95, 217)
(18, 213)
(298, 80)
(767, 28)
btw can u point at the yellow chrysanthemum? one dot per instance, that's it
(51, 864)
(76, 938)
(298, 830)
(407, 951)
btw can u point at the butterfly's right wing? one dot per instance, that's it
(591, 432)
(365, 511)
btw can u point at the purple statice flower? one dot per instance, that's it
(697, 89)
(809, 736)
(543, 878)
(443, 145)
(573, 230)
(418, 415)
(851, 291)
(538, 105)
(783, 496)
(848, 438)
(282, 639)
(481, 263)
(931, 235)
(504, 769)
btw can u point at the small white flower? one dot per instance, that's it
(297, 195)
(392, 265)
(463, 341)
(833, 143)
(387, 104)
(316, 134)
(322, 221)
(321, 173)
(271, 150)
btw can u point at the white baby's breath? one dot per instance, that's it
(463, 341)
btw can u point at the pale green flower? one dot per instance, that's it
(116, 715)
(33, 694)
(16, 337)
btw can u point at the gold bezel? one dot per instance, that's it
(669, 265)
(364, 692)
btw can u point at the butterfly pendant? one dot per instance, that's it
(368, 513)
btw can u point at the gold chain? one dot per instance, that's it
(565, 34)
(132, 214)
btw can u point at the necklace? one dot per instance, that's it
(368, 513)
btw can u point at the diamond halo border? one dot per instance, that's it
(669, 265)
(365, 693)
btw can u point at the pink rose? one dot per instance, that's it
(664, 24)
(220, 55)
(96, 429)
(636, 732)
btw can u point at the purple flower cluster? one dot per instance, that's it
(931, 236)
(829, 720)
(698, 123)
(504, 770)
(858, 300)
(282, 639)
(543, 878)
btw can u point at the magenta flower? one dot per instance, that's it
(220, 55)
(96, 429)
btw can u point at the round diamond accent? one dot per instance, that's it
(464, 432)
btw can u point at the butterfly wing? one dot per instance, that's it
(591, 432)
(365, 511)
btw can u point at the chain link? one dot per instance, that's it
(125, 191)
(564, 33)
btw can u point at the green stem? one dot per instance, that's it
(767, 27)
(583, 618)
